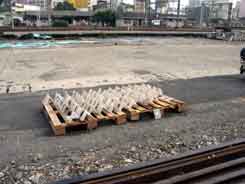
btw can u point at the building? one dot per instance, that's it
(43, 4)
(133, 19)
(101, 5)
(236, 10)
(194, 3)
(114, 4)
(139, 6)
(161, 5)
(124, 7)
(25, 7)
(194, 14)
(215, 1)
(220, 9)
(242, 9)
(56, 2)
(80, 4)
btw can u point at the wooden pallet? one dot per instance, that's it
(163, 104)
(60, 126)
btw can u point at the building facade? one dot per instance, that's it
(161, 5)
(242, 9)
(139, 6)
(43, 4)
(114, 4)
(56, 2)
(194, 3)
(236, 10)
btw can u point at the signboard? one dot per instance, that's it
(23, 7)
(156, 22)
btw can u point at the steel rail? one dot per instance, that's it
(166, 169)
(209, 174)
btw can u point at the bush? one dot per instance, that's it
(60, 23)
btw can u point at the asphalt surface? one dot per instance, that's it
(212, 101)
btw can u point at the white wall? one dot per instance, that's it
(242, 9)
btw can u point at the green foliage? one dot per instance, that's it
(106, 17)
(60, 23)
(64, 6)
(3, 6)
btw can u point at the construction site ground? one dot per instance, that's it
(204, 73)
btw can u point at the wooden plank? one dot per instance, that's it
(142, 108)
(165, 104)
(73, 123)
(180, 105)
(121, 118)
(92, 122)
(109, 115)
(156, 106)
(99, 116)
(57, 127)
(132, 114)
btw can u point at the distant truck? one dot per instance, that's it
(242, 60)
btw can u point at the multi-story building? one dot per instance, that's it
(216, 1)
(242, 9)
(194, 3)
(236, 10)
(100, 5)
(139, 6)
(161, 5)
(219, 9)
(114, 4)
(55, 2)
(43, 4)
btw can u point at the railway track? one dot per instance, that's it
(216, 165)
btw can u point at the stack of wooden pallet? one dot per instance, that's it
(89, 107)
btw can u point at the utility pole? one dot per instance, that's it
(147, 11)
(201, 15)
(49, 10)
(229, 13)
(178, 14)
(12, 2)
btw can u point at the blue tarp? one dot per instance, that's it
(37, 44)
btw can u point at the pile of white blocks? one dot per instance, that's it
(79, 105)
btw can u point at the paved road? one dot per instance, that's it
(212, 100)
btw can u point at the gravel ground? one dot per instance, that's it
(30, 154)
(215, 115)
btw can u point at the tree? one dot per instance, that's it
(64, 6)
(105, 17)
(4, 5)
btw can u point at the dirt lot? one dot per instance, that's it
(203, 73)
(134, 60)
